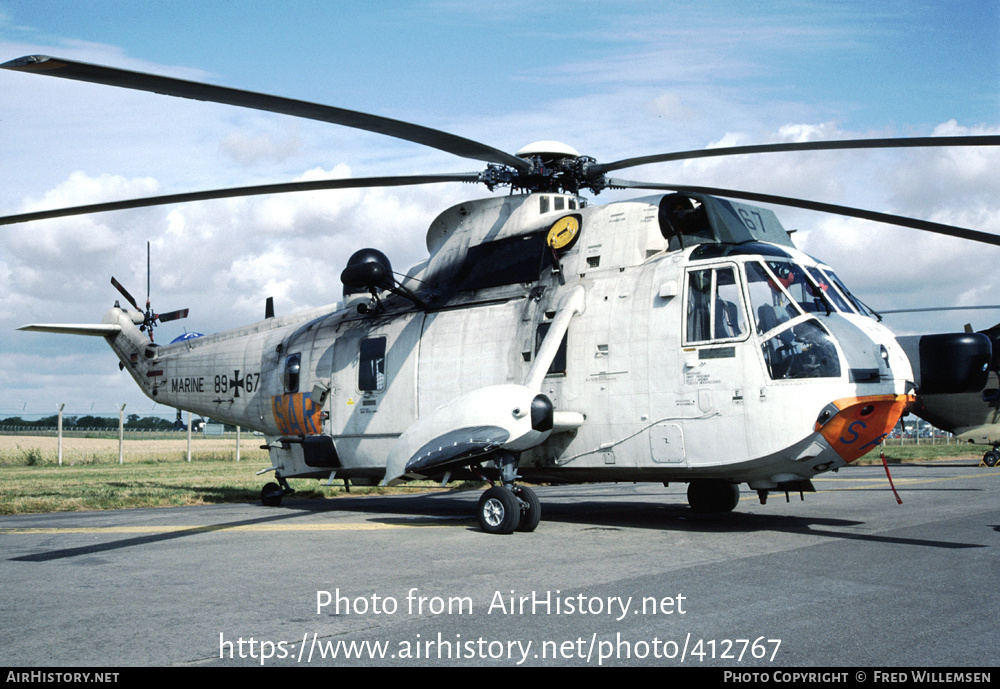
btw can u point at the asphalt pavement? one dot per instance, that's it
(615, 575)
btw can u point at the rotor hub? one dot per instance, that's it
(548, 151)
(554, 167)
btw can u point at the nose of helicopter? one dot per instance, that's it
(853, 426)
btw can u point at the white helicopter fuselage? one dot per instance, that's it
(670, 366)
(677, 337)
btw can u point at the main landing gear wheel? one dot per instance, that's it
(713, 496)
(271, 494)
(499, 511)
(531, 510)
(991, 458)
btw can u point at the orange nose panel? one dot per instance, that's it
(860, 423)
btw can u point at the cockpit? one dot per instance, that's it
(764, 292)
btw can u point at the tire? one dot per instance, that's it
(499, 511)
(271, 494)
(713, 496)
(991, 457)
(532, 515)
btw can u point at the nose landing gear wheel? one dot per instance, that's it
(499, 511)
(271, 494)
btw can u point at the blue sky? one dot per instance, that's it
(611, 79)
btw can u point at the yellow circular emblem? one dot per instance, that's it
(563, 232)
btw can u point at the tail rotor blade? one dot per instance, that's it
(124, 292)
(172, 316)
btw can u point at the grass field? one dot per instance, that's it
(895, 454)
(29, 450)
(155, 473)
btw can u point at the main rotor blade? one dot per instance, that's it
(112, 76)
(890, 219)
(989, 307)
(316, 185)
(915, 142)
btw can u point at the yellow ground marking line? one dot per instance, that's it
(877, 481)
(356, 526)
(154, 529)
(883, 481)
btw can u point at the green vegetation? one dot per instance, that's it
(48, 488)
(155, 474)
(899, 454)
(132, 421)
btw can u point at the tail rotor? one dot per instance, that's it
(147, 319)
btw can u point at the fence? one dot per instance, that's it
(27, 445)
(939, 438)
(112, 433)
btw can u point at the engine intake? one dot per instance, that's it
(948, 363)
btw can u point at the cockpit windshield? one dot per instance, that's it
(831, 292)
(857, 303)
(812, 290)
(793, 278)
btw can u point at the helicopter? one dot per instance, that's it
(973, 416)
(675, 337)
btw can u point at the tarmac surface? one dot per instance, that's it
(615, 575)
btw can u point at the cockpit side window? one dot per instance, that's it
(801, 350)
(805, 350)
(714, 306)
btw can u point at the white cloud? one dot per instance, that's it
(672, 107)
(261, 148)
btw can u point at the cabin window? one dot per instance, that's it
(558, 365)
(371, 368)
(543, 204)
(714, 306)
(290, 376)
